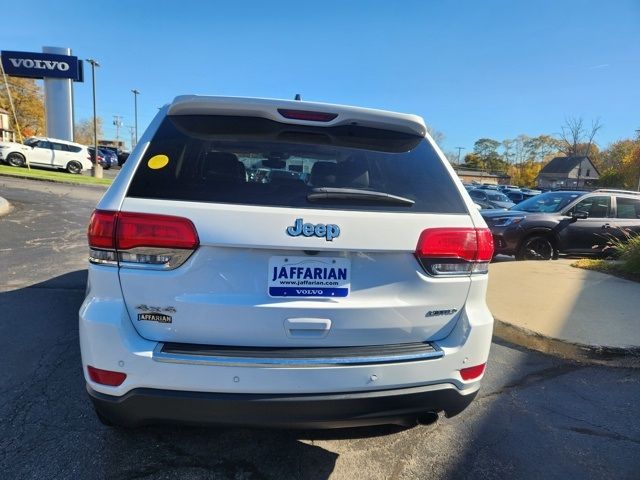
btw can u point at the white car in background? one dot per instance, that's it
(46, 152)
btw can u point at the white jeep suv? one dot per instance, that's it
(345, 286)
(46, 152)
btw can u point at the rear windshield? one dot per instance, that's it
(254, 161)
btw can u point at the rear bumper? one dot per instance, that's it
(142, 406)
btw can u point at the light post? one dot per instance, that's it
(459, 149)
(135, 107)
(97, 168)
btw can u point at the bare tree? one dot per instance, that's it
(437, 135)
(576, 138)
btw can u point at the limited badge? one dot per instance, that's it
(155, 317)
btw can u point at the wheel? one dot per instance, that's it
(536, 247)
(74, 167)
(16, 160)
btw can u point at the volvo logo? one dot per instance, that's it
(329, 231)
(40, 64)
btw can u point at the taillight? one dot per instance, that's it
(106, 377)
(102, 227)
(471, 373)
(145, 230)
(307, 115)
(455, 251)
(141, 240)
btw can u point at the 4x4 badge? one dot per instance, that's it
(328, 231)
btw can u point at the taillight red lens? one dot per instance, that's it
(101, 231)
(470, 373)
(485, 245)
(470, 244)
(307, 115)
(106, 377)
(448, 243)
(150, 230)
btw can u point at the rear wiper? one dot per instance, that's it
(333, 193)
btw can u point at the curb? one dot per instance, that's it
(595, 354)
(5, 207)
(48, 180)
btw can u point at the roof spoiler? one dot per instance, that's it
(308, 113)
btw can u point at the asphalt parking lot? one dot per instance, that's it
(536, 416)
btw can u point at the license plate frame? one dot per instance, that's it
(309, 277)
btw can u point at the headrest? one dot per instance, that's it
(223, 166)
(353, 172)
(323, 174)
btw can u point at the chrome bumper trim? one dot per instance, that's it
(430, 351)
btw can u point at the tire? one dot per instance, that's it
(16, 160)
(537, 247)
(74, 167)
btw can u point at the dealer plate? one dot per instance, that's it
(309, 277)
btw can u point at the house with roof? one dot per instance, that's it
(6, 134)
(573, 172)
(477, 176)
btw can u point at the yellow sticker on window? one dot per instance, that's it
(157, 162)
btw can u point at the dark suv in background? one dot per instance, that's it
(569, 222)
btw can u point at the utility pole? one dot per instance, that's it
(97, 168)
(131, 132)
(459, 149)
(135, 108)
(638, 134)
(117, 121)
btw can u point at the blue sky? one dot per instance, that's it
(472, 69)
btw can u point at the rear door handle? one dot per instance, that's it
(307, 327)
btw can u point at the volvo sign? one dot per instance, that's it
(42, 65)
(59, 69)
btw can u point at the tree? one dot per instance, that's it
(28, 101)
(576, 138)
(437, 136)
(525, 174)
(452, 157)
(541, 148)
(620, 164)
(486, 148)
(83, 131)
(473, 161)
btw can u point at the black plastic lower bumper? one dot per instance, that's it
(143, 406)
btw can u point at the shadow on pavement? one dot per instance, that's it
(48, 428)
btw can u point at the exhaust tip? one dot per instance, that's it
(427, 418)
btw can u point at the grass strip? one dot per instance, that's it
(612, 267)
(52, 176)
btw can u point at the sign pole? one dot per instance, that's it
(58, 97)
(97, 168)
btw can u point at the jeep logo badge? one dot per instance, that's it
(329, 231)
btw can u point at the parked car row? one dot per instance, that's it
(106, 157)
(60, 154)
(490, 196)
(568, 222)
